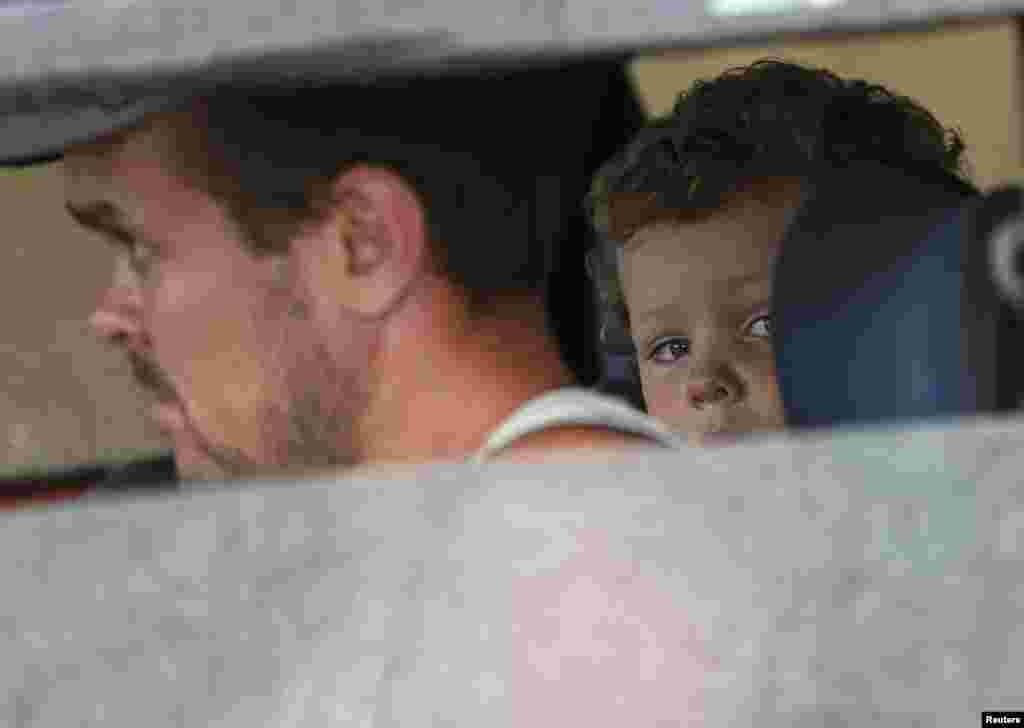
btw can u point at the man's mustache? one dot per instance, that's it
(152, 377)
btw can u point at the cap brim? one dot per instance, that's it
(39, 137)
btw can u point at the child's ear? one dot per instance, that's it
(372, 245)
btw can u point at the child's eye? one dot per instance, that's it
(761, 326)
(670, 350)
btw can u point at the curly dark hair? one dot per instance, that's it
(771, 119)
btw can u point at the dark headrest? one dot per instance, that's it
(884, 304)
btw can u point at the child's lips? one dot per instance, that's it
(719, 439)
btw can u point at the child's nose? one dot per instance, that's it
(709, 391)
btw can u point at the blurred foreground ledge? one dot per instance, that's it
(859, 578)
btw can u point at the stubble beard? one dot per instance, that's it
(310, 429)
(222, 462)
(309, 425)
(326, 400)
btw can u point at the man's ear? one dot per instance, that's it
(372, 245)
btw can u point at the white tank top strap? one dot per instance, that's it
(569, 407)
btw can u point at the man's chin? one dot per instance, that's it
(169, 417)
(191, 456)
(194, 464)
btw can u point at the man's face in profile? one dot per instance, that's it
(225, 340)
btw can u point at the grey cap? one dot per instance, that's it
(33, 137)
(76, 69)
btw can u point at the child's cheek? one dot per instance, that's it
(767, 396)
(665, 397)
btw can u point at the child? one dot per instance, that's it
(691, 214)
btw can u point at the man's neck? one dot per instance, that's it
(440, 394)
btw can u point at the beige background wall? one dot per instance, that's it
(66, 398)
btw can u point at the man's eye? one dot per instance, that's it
(762, 326)
(669, 351)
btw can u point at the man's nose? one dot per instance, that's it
(116, 317)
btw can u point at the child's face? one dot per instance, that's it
(699, 300)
